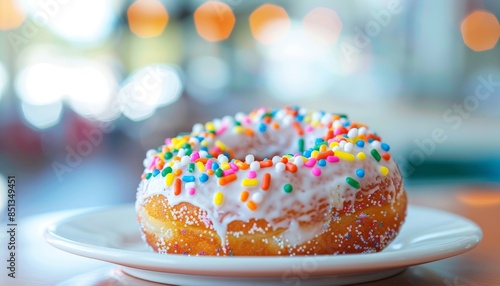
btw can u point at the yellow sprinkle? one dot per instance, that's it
(201, 166)
(238, 129)
(361, 156)
(314, 153)
(221, 145)
(250, 182)
(384, 170)
(209, 126)
(225, 166)
(333, 144)
(345, 155)
(218, 198)
(169, 179)
(307, 119)
(204, 143)
(171, 163)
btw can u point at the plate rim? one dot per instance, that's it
(215, 266)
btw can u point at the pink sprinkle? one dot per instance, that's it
(228, 172)
(191, 191)
(332, 159)
(247, 120)
(153, 162)
(195, 156)
(337, 131)
(309, 128)
(233, 166)
(168, 141)
(251, 174)
(209, 164)
(316, 171)
(217, 149)
(221, 130)
(310, 163)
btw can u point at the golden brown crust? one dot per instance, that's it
(367, 225)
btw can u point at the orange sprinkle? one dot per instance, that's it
(284, 160)
(176, 158)
(322, 148)
(227, 179)
(248, 131)
(177, 186)
(178, 172)
(160, 164)
(244, 196)
(203, 160)
(165, 149)
(267, 119)
(290, 167)
(143, 176)
(242, 165)
(275, 125)
(266, 182)
(298, 128)
(266, 164)
(329, 135)
(210, 172)
(251, 205)
(325, 154)
(386, 156)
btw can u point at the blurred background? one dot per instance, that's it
(87, 87)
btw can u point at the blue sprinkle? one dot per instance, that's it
(203, 178)
(215, 166)
(347, 124)
(156, 172)
(204, 148)
(299, 117)
(360, 173)
(322, 162)
(370, 140)
(307, 153)
(385, 147)
(319, 140)
(262, 127)
(360, 143)
(188, 179)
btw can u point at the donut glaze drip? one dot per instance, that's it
(294, 168)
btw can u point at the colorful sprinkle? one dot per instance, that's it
(301, 145)
(244, 196)
(352, 182)
(148, 175)
(384, 170)
(298, 128)
(386, 156)
(187, 179)
(251, 174)
(322, 162)
(251, 205)
(385, 147)
(345, 156)
(177, 186)
(266, 164)
(249, 182)
(203, 178)
(191, 191)
(375, 154)
(316, 171)
(361, 156)
(218, 198)
(219, 172)
(292, 168)
(227, 179)
(266, 182)
(360, 173)
(288, 188)
(191, 167)
(201, 166)
(332, 159)
(262, 127)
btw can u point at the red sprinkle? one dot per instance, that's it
(266, 182)
(292, 168)
(298, 128)
(386, 156)
(266, 164)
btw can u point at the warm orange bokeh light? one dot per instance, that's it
(11, 16)
(269, 23)
(214, 21)
(323, 25)
(480, 30)
(480, 198)
(147, 18)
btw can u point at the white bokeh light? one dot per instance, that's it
(208, 78)
(42, 116)
(149, 88)
(41, 83)
(4, 79)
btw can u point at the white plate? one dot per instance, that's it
(112, 234)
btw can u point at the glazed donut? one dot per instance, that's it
(272, 182)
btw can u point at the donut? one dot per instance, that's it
(286, 181)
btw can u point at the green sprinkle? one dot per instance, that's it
(168, 155)
(237, 123)
(288, 188)
(375, 154)
(187, 146)
(188, 152)
(148, 175)
(191, 167)
(301, 145)
(166, 171)
(352, 182)
(219, 173)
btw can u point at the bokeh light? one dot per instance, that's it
(147, 18)
(149, 88)
(41, 83)
(322, 25)
(77, 21)
(42, 116)
(480, 30)
(208, 77)
(4, 79)
(480, 198)
(11, 15)
(269, 23)
(214, 21)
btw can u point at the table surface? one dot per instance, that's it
(38, 263)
